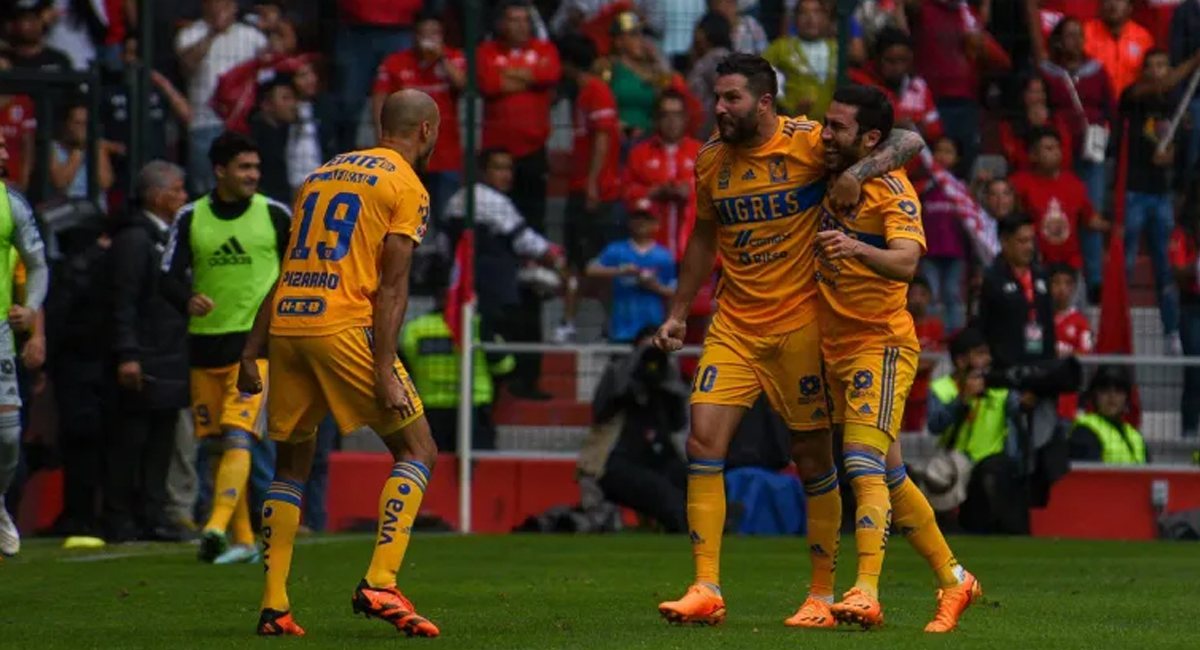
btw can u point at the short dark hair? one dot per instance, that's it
(1039, 133)
(428, 13)
(967, 339)
(230, 145)
(503, 7)
(1060, 268)
(874, 112)
(890, 37)
(577, 51)
(1057, 34)
(760, 76)
(646, 332)
(919, 280)
(485, 156)
(670, 94)
(1009, 225)
(716, 29)
(281, 80)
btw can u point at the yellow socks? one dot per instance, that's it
(872, 518)
(280, 519)
(706, 518)
(232, 475)
(914, 518)
(398, 505)
(824, 505)
(240, 530)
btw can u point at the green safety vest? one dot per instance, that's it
(985, 430)
(8, 255)
(428, 347)
(234, 262)
(1120, 447)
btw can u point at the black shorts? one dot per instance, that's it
(587, 233)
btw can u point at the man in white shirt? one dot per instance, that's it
(207, 49)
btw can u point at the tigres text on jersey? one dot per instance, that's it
(859, 308)
(766, 203)
(344, 210)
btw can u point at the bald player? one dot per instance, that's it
(333, 319)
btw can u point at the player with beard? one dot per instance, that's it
(759, 188)
(866, 256)
(332, 319)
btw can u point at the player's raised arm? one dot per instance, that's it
(891, 154)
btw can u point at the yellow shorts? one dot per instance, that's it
(735, 368)
(312, 376)
(870, 387)
(217, 405)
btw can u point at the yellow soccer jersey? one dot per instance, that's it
(766, 202)
(346, 207)
(860, 308)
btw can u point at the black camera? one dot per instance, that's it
(653, 367)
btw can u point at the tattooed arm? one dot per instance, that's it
(891, 154)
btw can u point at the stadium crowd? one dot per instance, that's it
(1031, 109)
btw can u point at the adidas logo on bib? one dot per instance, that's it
(230, 253)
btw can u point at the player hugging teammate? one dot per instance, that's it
(820, 232)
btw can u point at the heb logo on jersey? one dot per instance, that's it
(230, 253)
(768, 206)
(300, 307)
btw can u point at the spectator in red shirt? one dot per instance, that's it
(517, 75)
(1072, 331)
(594, 186)
(367, 32)
(932, 337)
(951, 49)
(1155, 16)
(891, 69)
(1078, 88)
(1185, 241)
(1033, 113)
(1055, 200)
(18, 122)
(441, 72)
(662, 168)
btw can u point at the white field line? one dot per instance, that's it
(190, 548)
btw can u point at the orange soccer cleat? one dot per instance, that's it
(390, 605)
(699, 606)
(953, 602)
(814, 613)
(859, 608)
(272, 622)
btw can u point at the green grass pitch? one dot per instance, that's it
(532, 592)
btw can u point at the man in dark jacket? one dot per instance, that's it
(1016, 312)
(271, 128)
(149, 346)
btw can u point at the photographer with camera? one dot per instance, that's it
(976, 422)
(632, 456)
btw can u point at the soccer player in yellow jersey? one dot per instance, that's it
(334, 316)
(866, 255)
(759, 188)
